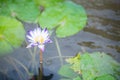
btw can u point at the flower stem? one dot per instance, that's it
(59, 51)
(41, 66)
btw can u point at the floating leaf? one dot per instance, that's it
(11, 34)
(25, 10)
(106, 77)
(65, 71)
(98, 64)
(68, 17)
(47, 3)
(77, 78)
(75, 61)
(95, 66)
(4, 8)
(65, 79)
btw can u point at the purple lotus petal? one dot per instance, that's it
(45, 30)
(48, 41)
(29, 32)
(35, 44)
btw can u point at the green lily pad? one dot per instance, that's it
(11, 34)
(68, 18)
(4, 8)
(75, 61)
(106, 77)
(67, 72)
(25, 10)
(94, 66)
(98, 64)
(47, 3)
(77, 78)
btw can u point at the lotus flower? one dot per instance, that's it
(38, 37)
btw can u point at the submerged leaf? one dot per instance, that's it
(68, 18)
(11, 34)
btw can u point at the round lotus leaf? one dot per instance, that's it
(47, 3)
(25, 10)
(68, 18)
(11, 34)
(28, 11)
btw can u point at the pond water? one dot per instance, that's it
(102, 33)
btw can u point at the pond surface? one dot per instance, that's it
(102, 33)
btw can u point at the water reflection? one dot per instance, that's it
(103, 23)
(89, 44)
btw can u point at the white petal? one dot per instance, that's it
(30, 45)
(42, 47)
(32, 41)
(38, 30)
(34, 31)
(31, 33)
(29, 37)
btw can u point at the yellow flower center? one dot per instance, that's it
(39, 39)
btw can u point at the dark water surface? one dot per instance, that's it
(102, 33)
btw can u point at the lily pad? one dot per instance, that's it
(75, 61)
(68, 18)
(106, 77)
(11, 34)
(98, 64)
(94, 66)
(47, 3)
(67, 72)
(4, 8)
(25, 10)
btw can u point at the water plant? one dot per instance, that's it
(90, 66)
(10, 39)
(67, 18)
(39, 37)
